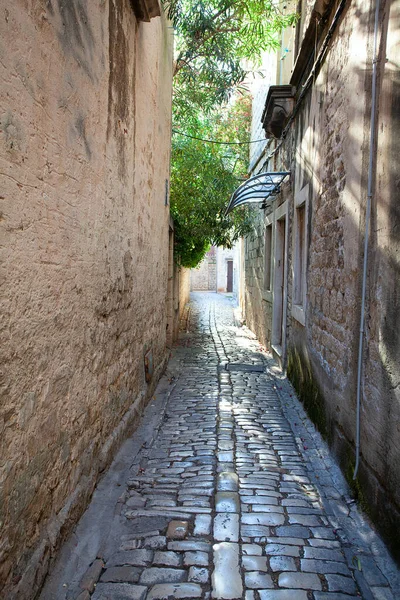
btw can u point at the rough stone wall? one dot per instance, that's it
(204, 276)
(184, 290)
(85, 100)
(381, 393)
(222, 256)
(328, 150)
(332, 157)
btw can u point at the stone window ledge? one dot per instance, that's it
(278, 108)
(299, 314)
(146, 9)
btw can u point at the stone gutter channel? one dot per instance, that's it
(228, 492)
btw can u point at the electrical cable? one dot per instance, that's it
(193, 137)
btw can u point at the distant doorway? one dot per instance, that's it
(229, 276)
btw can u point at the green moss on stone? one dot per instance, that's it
(300, 374)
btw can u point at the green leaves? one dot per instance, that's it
(214, 39)
(203, 177)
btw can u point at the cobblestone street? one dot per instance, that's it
(225, 491)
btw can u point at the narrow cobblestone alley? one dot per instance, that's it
(231, 493)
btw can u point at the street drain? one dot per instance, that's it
(248, 368)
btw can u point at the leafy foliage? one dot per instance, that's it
(214, 39)
(203, 177)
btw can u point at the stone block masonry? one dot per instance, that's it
(85, 103)
(327, 151)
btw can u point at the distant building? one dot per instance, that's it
(218, 271)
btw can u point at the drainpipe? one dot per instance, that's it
(366, 234)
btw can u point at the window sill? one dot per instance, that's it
(267, 296)
(299, 314)
(277, 349)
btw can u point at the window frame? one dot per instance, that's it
(299, 263)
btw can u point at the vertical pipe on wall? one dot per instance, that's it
(366, 234)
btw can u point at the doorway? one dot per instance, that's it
(229, 276)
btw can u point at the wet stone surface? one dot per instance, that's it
(228, 498)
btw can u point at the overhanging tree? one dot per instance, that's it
(214, 39)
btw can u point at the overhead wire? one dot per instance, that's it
(193, 137)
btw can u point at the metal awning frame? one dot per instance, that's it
(257, 189)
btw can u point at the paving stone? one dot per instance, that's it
(333, 596)
(177, 530)
(91, 576)
(156, 543)
(167, 591)
(304, 581)
(382, 593)
(316, 543)
(282, 563)
(168, 559)
(225, 445)
(282, 550)
(189, 545)
(227, 481)
(225, 457)
(270, 502)
(83, 596)
(286, 540)
(271, 519)
(324, 566)
(196, 558)
(251, 550)
(226, 527)
(293, 531)
(154, 575)
(198, 574)
(234, 427)
(324, 554)
(323, 533)
(371, 572)
(119, 591)
(140, 557)
(282, 595)
(256, 580)
(309, 520)
(226, 579)
(121, 575)
(202, 525)
(338, 583)
(227, 502)
(254, 531)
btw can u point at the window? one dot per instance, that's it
(299, 256)
(267, 257)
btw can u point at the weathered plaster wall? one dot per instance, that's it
(184, 290)
(85, 99)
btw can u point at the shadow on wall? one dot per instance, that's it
(324, 373)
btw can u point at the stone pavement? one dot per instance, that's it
(229, 492)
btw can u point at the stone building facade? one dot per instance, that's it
(203, 278)
(304, 262)
(85, 123)
(218, 271)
